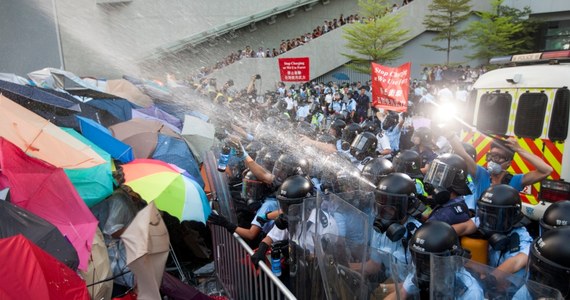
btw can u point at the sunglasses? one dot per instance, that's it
(497, 158)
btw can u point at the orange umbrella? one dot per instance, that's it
(39, 138)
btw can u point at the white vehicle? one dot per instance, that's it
(528, 97)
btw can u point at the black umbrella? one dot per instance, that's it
(15, 220)
(35, 98)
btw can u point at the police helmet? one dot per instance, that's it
(433, 238)
(327, 138)
(294, 190)
(338, 125)
(392, 195)
(423, 135)
(346, 179)
(253, 191)
(289, 165)
(305, 128)
(448, 172)
(253, 148)
(268, 160)
(376, 169)
(549, 260)
(364, 145)
(370, 126)
(390, 121)
(556, 215)
(409, 162)
(348, 134)
(499, 209)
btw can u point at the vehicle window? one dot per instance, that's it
(558, 129)
(529, 120)
(493, 113)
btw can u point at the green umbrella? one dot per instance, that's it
(93, 184)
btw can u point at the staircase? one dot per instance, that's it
(324, 52)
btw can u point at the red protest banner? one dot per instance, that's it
(390, 87)
(294, 69)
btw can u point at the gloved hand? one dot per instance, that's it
(218, 220)
(241, 154)
(259, 255)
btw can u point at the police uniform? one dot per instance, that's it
(471, 288)
(399, 249)
(453, 212)
(496, 257)
(269, 205)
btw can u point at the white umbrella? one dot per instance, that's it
(199, 134)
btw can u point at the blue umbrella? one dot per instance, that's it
(103, 138)
(175, 151)
(23, 94)
(340, 76)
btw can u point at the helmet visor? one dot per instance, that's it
(281, 171)
(391, 207)
(495, 218)
(548, 273)
(440, 175)
(347, 183)
(252, 189)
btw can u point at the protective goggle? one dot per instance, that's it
(440, 174)
(548, 273)
(496, 158)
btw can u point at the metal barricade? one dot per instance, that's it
(237, 274)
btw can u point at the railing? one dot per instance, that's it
(222, 29)
(237, 274)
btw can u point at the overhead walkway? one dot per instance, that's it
(325, 52)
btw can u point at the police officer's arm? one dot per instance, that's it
(259, 171)
(459, 150)
(327, 148)
(514, 264)
(250, 233)
(466, 228)
(543, 169)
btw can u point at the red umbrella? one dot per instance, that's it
(47, 192)
(28, 272)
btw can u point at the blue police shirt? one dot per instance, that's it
(496, 257)
(269, 205)
(381, 242)
(473, 291)
(453, 212)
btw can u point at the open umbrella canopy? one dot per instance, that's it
(168, 188)
(199, 134)
(28, 272)
(93, 184)
(103, 138)
(15, 220)
(39, 138)
(160, 114)
(35, 98)
(47, 192)
(129, 91)
(141, 135)
(175, 151)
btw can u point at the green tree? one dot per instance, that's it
(443, 18)
(377, 38)
(500, 31)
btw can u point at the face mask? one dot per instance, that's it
(393, 230)
(494, 168)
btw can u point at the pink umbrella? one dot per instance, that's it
(47, 192)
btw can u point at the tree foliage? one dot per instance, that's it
(377, 38)
(502, 31)
(443, 18)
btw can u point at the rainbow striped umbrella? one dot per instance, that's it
(170, 187)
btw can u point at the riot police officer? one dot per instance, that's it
(500, 221)
(439, 239)
(423, 145)
(447, 176)
(363, 148)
